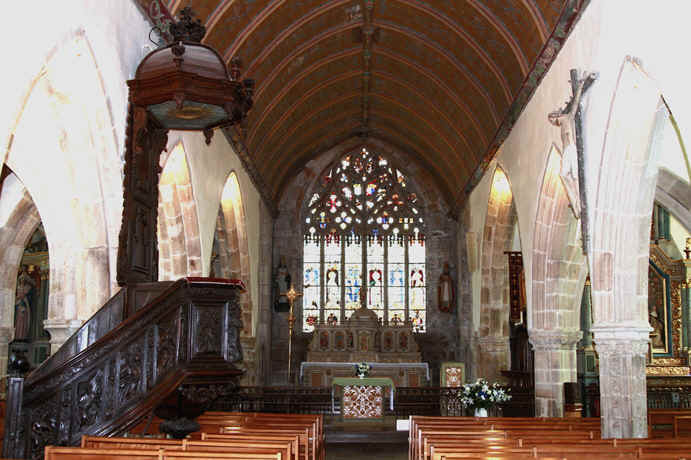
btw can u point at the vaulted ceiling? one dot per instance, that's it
(441, 80)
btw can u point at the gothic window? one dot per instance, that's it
(364, 230)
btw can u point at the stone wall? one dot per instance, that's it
(441, 342)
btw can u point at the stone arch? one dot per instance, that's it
(558, 273)
(622, 209)
(19, 219)
(179, 245)
(65, 126)
(230, 257)
(500, 222)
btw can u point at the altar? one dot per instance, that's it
(390, 349)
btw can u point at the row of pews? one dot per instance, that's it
(222, 435)
(447, 438)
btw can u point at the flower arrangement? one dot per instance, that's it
(362, 369)
(483, 395)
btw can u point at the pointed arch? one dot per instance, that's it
(230, 253)
(500, 222)
(558, 274)
(178, 225)
(65, 124)
(19, 219)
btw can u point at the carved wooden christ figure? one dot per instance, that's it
(568, 119)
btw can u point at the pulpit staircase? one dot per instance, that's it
(146, 341)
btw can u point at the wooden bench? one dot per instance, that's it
(285, 447)
(78, 453)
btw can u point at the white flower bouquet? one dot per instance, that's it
(483, 395)
(362, 369)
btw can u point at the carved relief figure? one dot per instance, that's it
(446, 292)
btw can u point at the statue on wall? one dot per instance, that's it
(23, 298)
(282, 284)
(568, 120)
(446, 292)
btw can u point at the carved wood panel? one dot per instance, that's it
(109, 385)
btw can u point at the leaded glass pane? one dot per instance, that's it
(364, 203)
(396, 317)
(353, 276)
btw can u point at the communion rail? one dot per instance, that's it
(432, 401)
(188, 336)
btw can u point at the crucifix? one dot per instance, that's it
(569, 119)
(291, 295)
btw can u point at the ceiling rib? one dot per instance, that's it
(463, 35)
(289, 31)
(504, 32)
(453, 61)
(432, 77)
(304, 73)
(251, 27)
(538, 19)
(303, 97)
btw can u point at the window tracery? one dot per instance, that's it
(364, 228)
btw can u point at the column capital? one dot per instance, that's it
(629, 339)
(548, 339)
(60, 330)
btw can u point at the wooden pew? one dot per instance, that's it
(287, 449)
(78, 453)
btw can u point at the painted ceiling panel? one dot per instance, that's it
(437, 79)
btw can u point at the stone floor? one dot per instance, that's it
(354, 440)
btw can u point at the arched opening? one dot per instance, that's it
(558, 272)
(230, 259)
(25, 275)
(498, 240)
(179, 246)
(65, 125)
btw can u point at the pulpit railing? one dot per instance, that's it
(189, 335)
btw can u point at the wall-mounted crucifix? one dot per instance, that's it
(570, 120)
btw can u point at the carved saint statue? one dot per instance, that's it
(565, 119)
(22, 304)
(282, 284)
(446, 293)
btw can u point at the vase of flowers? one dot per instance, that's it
(481, 395)
(362, 370)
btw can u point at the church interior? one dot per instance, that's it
(334, 217)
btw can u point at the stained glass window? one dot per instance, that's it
(364, 229)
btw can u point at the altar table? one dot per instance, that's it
(362, 398)
(321, 374)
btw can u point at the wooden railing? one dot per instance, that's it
(433, 401)
(190, 333)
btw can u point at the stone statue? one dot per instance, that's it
(282, 285)
(565, 119)
(446, 293)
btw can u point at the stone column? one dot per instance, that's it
(494, 357)
(555, 363)
(60, 330)
(623, 398)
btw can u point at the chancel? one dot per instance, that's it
(214, 215)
